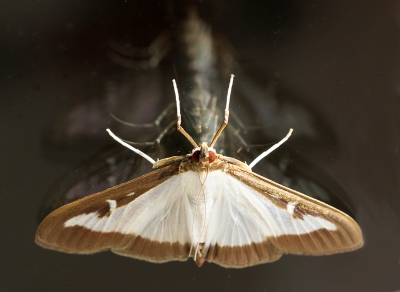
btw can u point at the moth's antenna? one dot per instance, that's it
(226, 117)
(178, 115)
(145, 156)
(262, 155)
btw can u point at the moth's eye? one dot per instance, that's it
(211, 156)
(196, 156)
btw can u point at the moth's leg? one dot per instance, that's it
(156, 164)
(159, 163)
(157, 141)
(265, 153)
(213, 118)
(139, 58)
(137, 151)
(236, 133)
(246, 128)
(154, 124)
(243, 129)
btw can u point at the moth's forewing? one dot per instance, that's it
(55, 232)
(295, 172)
(305, 177)
(259, 220)
(345, 236)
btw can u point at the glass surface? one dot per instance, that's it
(340, 60)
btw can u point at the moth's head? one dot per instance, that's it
(204, 155)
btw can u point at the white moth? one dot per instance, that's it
(203, 205)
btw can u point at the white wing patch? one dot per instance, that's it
(242, 216)
(223, 211)
(113, 204)
(162, 214)
(290, 207)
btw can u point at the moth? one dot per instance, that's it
(203, 205)
(198, 57)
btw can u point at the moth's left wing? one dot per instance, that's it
(145, 218)
(256, 220)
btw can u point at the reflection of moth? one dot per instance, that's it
(202, 205)
(177, 53)
(199, 60)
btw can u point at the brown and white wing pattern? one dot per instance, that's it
(145, 218)
(228, 215)
(255, 220)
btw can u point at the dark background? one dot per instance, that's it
(342, 57)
